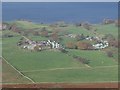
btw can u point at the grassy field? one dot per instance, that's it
(30, 61)
(28, 25)
(77, 30)
(37, 38)
(55, 66)
(45, 59)
(97, 58)
(107, 29)
(80, 75)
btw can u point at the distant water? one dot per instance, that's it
(93, 12)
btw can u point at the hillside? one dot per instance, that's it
(69, 52)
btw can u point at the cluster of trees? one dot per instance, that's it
(71, 45)
(88, 26)
(44, 32)
(108, 21)
(59, 24)
(109, 37)
(85, 25)
(117, 23)
(6, 26)
(36, 33)
(79, 45)
(114, 43)
(7, 35)
(112, 40)
(80, 37)
(52, 35)
(14, 27)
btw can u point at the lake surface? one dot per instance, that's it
(93, 12)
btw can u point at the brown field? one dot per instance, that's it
(9, 75)
(63, 85)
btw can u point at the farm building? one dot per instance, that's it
(45, 44)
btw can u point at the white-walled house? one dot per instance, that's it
(30, 45)
(101, 45)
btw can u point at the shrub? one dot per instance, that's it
(114, 43)
(63, 50)
(78, 24)
(44, 33)
(74, 56)
(82, 60)
(7, 36)
(80, 37)
(87, 26)
(37, 48)
(70, 45)
(109, 37)
(108, 21)
(62, 24)
(110, 54)
(54, 37)
(84, 45)
(36, 33)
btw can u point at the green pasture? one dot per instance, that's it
(79, 30)
(97, 58)
(44, 66)
(81, 75)
(107, 29)
(27, 60)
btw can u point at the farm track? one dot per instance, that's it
(68, 68)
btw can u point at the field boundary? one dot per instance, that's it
(68, 68)
(17, 70)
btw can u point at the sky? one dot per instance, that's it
(59, 0)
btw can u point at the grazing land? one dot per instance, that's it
(76, 60)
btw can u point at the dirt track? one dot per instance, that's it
(63, 85)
